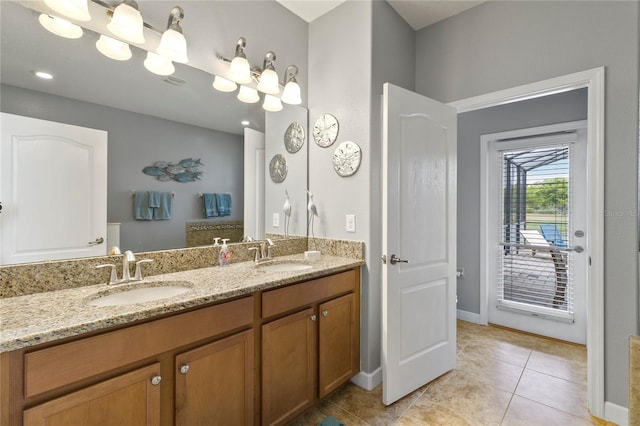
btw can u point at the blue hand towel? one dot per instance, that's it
(163, 211)
(223, 202)
(154, 199)
(141, 209)
(209, 205)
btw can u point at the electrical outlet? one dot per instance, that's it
(351, 223)
(276, 220)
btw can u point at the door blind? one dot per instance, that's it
(535, 268)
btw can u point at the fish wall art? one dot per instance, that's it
(184, 171)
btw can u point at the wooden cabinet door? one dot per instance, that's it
(289, 360)
(339, 342)
(215, 383)
(130, 399)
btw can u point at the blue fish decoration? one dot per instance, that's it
(185, 171)
(190, 162)
(154, 171)
(187, 177)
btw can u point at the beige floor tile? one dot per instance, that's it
(523, 412)
(554, 392)
(561, 366)
(499, 349)
(427, 413)
(469, 397)
(492, 371)
(317, 414)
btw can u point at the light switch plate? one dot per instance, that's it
(276, 220)
(351, 223)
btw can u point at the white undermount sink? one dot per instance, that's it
(140, 294)
(284, 266)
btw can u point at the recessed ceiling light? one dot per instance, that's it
(245, 122)
(43, 75)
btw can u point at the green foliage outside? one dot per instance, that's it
(551, 196)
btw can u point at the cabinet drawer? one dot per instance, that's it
(67, 363)
(299, 295)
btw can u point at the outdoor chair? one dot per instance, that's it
(551, 233)
(534, 238)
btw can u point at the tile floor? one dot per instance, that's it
(502, 377)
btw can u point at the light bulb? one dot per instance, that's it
(291, 93)
(239, 70)
(158, 64)
(272, 103)
(112, 48)
(173, 45)
(248, 95)
(74, 9)
(127, 23)
(224, 85)
(60, 27)
(269, 82)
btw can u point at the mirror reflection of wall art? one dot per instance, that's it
(184, 171)
(346, 158)
(294, 137)
(278, 168)
(325, 130)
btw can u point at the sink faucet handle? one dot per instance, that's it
(138, 275)
(114, 276)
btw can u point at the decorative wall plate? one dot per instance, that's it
(346, 158)
(325, 130)
(294, 137)
(278, 168)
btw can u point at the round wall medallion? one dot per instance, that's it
(294, 137)
(325, 130)
(278, 168)
(346, 158)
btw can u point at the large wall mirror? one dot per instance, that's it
(150, 120)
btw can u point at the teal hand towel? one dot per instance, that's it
(154, 199)
(141, 209)
(163, 211)
(223, 202)
(209, 205)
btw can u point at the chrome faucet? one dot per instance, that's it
(127, 257)
(263, 252)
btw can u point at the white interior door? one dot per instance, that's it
(53, 188)
(254, 172)
(419, 228)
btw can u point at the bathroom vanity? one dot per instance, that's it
(245, 346)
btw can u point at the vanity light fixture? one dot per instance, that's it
(248, 95)
(173, 45)
(73, 9)
(268, 80)
(60, 27)
(272, 103)
(240, 70)
(158, 64)
(127, 23)
(112, 48)
(291, 92)
(224, 85)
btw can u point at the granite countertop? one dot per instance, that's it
(44, 317)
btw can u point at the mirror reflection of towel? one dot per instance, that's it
(209, 205)
(141, 208)
(151, 205)
(223, 202)
(162, 205)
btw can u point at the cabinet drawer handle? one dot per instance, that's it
(184, 369)
(155, 380)
(325, 313)
(313, 317)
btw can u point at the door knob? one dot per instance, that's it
(395, 259)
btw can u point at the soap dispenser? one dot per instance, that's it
(225, 254)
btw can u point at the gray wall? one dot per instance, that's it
(498, 45)
(136, 141)
(569, 106)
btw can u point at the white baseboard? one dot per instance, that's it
(469, 316)
(616, 413)
(368, 381)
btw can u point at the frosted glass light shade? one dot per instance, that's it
(173, 45)
(269, 82)
(127, 24)
(240, 71)
(74, 9)
(272, 103)
(291, 94)
(158, 64)
(248, 95)
(224, 85)
(60, 27)
(112, 48)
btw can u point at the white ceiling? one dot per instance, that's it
(417, 13)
